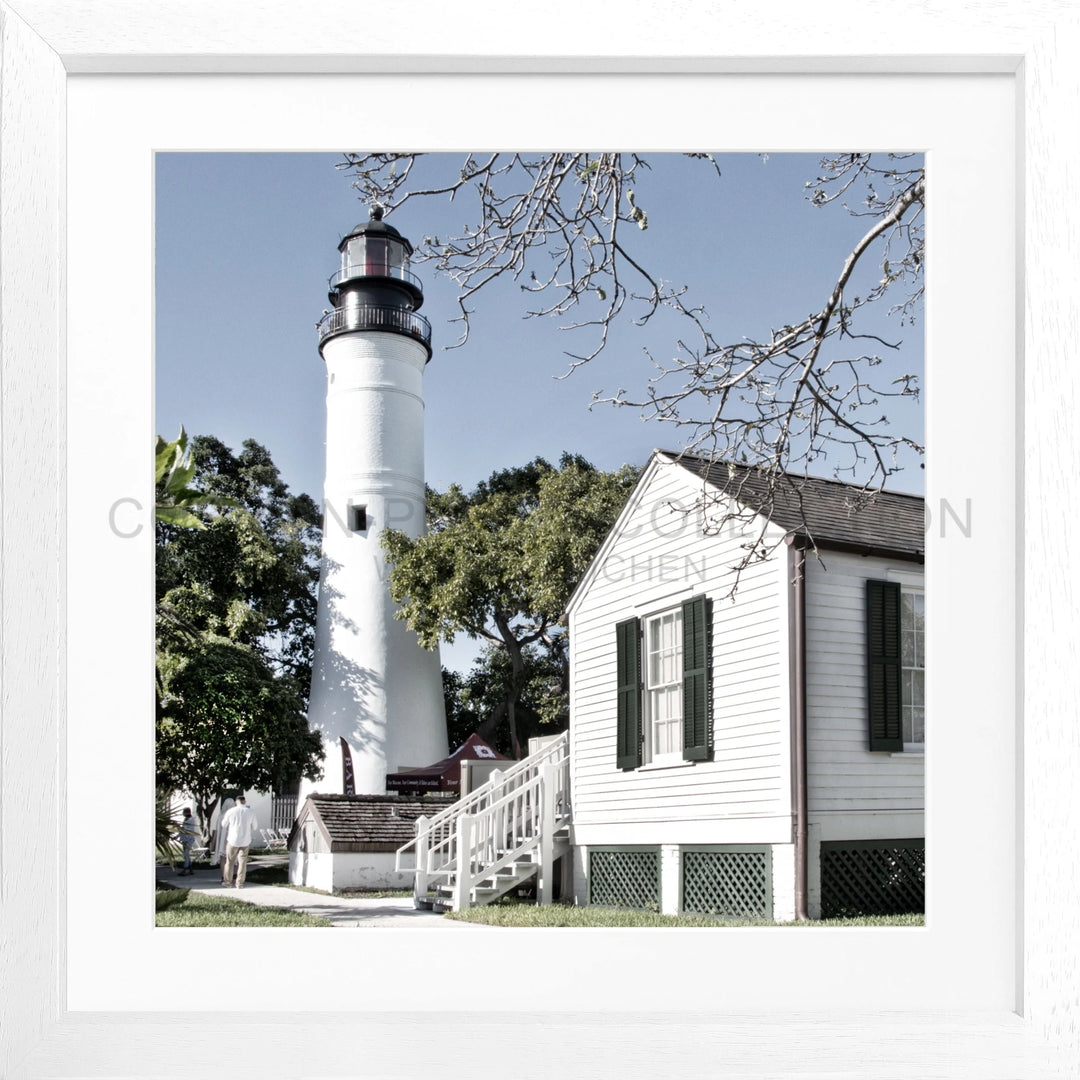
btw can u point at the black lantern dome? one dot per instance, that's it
(374, 288)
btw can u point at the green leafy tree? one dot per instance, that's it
(236, 607)
(229, 722)
(173, 472)
(499, 563)
(477, 701)
(251, 572)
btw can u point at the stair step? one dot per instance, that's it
(509, 879)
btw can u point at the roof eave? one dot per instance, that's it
(601, 553)
(882, 550)
(311, 809)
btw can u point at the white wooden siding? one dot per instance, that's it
(750, 777)
(843, 776)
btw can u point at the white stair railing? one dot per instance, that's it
(514, 814)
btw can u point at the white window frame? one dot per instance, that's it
(906, 723)
(648, 706)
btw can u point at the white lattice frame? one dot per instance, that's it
(43, 41)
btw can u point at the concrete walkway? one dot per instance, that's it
(338, 910)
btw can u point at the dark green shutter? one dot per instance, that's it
(697, 728)
(883, 664)
(628, 677)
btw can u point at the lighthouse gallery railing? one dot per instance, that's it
(373, 270)
(375, 317)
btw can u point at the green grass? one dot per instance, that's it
(527, 915)
(182, 907)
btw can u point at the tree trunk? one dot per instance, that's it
(517, 678)
(204, 811)
(488, 727)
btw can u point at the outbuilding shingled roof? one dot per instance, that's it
(828, 512)
(368, 822)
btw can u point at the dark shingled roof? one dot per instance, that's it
(829, 512)
(369, 822)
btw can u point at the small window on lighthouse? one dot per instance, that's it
(358, 518)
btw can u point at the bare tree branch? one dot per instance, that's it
(780, 405)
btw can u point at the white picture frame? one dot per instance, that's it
(41, 44)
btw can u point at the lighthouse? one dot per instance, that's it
(376, 694)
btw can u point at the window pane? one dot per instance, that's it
(670, 668)
(665, 650)
(375, 259)
(912, 682)
(664, 738)
(655, 673)
(665, 720)
(664, 683)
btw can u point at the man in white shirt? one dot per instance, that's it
(220, 858)
(239, 825)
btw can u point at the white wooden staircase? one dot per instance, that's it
(497, 838)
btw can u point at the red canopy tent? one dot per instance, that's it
(444, 775)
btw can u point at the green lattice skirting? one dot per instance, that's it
(872, 877)
(625, 877)
(731, 882)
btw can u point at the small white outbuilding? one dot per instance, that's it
(348, 841)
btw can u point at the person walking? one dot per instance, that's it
(220, 859)
(239, 824)
(187, 836)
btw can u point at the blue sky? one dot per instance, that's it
(245, 244)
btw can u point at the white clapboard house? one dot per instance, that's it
(757, 754)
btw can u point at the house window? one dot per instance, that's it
(663, 694)
(913, 661)
(358, 518)
(663, 684)
(895, 662)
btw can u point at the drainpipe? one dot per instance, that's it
(799, 733)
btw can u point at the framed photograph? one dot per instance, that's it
(91, 986)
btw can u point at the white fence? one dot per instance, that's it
(283, 812)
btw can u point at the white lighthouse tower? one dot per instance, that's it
(373, 686)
